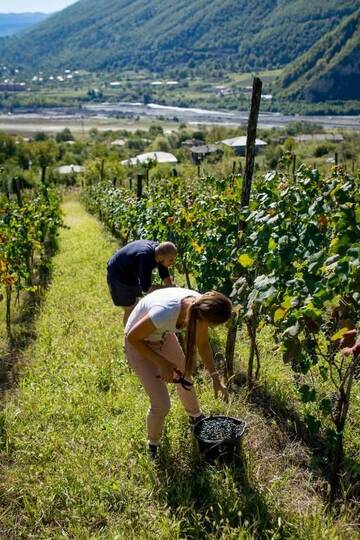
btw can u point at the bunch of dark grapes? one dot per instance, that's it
(328, 328)
(300, 365)
(219, 429)
(311, 348)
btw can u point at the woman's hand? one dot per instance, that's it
(220, 388)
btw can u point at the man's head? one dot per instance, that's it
(165, 254)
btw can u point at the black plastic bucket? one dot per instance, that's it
(219, 436)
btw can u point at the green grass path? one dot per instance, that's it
(72, 442)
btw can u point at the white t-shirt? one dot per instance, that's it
(163, 307)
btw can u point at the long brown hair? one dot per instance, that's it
(212, 307)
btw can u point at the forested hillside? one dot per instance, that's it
(160, 34)
(11, 23)
(330, 69)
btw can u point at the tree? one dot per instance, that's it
(64, 136)
(44, 153)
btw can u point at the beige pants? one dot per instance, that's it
(156, 389)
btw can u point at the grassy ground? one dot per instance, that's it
(73, 462)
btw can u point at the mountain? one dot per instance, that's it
(330, 70)
(11, 23)
(162, 34)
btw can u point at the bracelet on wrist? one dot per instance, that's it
(214, 373)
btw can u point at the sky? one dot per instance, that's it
(22, 6)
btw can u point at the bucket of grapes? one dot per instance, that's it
(219, 436)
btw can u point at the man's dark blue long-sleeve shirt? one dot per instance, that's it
(133, 264)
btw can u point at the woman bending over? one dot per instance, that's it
(154, 352)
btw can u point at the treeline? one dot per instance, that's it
(246, 35)
(330, 69)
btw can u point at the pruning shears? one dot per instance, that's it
(180, 380)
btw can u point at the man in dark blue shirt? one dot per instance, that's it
(129, 271)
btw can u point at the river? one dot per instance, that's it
(205, 116)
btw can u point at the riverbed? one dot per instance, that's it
(132, 116)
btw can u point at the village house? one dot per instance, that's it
(199, 153)
(158, 157)
(239, 144)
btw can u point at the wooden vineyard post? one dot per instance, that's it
(8, 312)
(336, 158)
(139, 186)
(102, 170)
(43, 174)
(250, 145)
(234, 167)
(294, 167)
(187, 274)
(245, 198)
(130, 183)
(230, 346)
(16, 189)
(4, 183)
